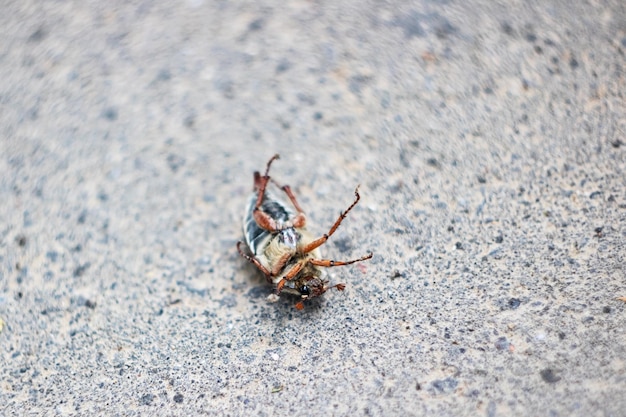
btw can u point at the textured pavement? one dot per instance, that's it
(489, 141)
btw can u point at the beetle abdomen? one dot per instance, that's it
(254, 234)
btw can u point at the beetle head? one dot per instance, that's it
(312, 287)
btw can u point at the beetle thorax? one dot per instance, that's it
(282, 243)
(289, 237)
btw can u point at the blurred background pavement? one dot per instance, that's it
(489, 139)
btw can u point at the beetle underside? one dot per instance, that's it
(282, 248)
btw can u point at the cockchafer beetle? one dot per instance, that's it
(281, 246)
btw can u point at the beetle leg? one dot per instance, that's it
(328, 263)
(281, 264)
(257, 180)
(319, 242)
(255, 261)
(260, 183)
(300, 219)
(288, 277)
(290, 194)
(292, 198)
(264, 220)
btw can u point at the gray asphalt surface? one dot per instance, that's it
(489, 141)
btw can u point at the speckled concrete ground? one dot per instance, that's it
(490, 144)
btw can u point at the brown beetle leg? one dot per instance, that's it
(266, 222)
(268, 274)
(281, 264)
(320, 241)
(290, 194)
(262, 219)
(260, 183)
(288, 277)
(328, 263)
(300, 219)
(255, 261)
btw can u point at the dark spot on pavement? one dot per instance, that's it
(549, 376)
(146, 399)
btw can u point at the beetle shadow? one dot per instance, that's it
(260, 291)
(287, 318)
(285, 306)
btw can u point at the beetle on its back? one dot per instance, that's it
(280, 245)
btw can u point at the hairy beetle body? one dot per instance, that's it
(280, 244)
(270, 247)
